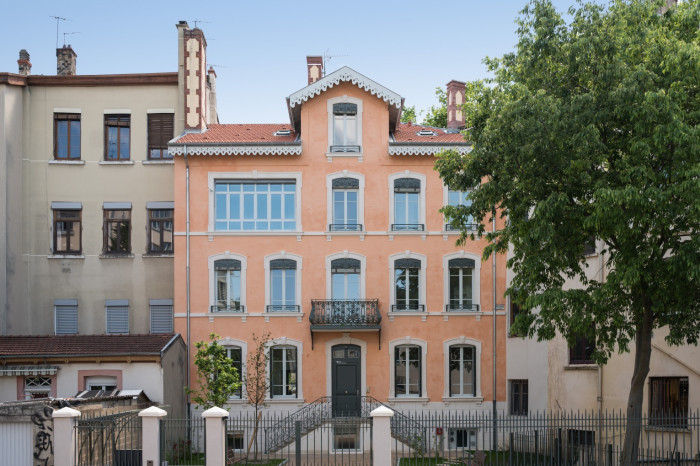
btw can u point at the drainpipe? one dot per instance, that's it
(495, 423)
(187, 272)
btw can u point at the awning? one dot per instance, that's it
(28, 370)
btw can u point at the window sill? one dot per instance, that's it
(423, 315)
(116, 256)
(422, 233)
(242, 315)
(331, 155)
(116, 162)
(446, 315)
(158, 162)
(408, 399)
(299, 315)
(154, 255)
(462, 399)
(581, 367)
(66, 162)
(281, 400)
(66, 256)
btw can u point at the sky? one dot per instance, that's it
(259, 48)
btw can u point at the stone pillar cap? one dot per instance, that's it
(215, 412)
(382, 411)
(66, 412)
(153, 411)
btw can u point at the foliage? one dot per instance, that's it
(217, 378)
(256, 381)
(590, 130)
(437, 116)
(183, 452)
(409, 114)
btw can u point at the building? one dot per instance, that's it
(326, 233)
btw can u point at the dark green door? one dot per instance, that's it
(346, 380)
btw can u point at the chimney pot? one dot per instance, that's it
(314, 66)
(66, 61)
(25, 66)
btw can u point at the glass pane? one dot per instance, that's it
(75, 139)
(453, 198)
(351, 207)
(338, 286)
(351, 130)
(262, 206)
(124, 143)
(353, 290)
(234, 206)
(112, 143)
(412, 214)
(234, 288)
(400, 200)
(276, 206)
(338, 131)
(289, 206)
(220, 206)
(248, 205)
(400, 281)
(248, 188)
(339, 207)
(413, 292)
(290, 288)
(276, 284)
(276, 188)
(467, 286)
(221, 187)
(61, 139)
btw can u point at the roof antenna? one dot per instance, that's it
(327, 58)
(58, 19)
(195, 21)
(68, 34)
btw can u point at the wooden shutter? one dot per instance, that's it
(160, 130)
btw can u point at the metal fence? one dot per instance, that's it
(182, 442)
(112, 439)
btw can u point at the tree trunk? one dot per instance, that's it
(642, 355)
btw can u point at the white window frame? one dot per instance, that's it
(268, 278)
(212, 278)
(346, 255)
(476, 281)
(254, 175)
(445, 201)
(44, 388)
(344, 99)
(421, 205)
(461, 341)
(100, 380)
(284, 341)
(360, 198)
(421, 279)
(228, 343)
(392, 363)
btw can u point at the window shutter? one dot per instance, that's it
(345, 266)
(346, 183)
(161, 316)
(227, 264)
(407, 264)
(461, 264)
(277, 264)
(117, 316)
(160, 130)
(66, 311)
(407, 185)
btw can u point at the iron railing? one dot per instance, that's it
(345, 148)
(467, 227)
(461, 308)
(407, 227)
(110, 439)
(283, 308)
(349, 314)
(345, 227)
(408, 308)
(221, 308)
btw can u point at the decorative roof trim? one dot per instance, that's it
(28, 370)
(426, 150)
(237, 150)
(344, 74)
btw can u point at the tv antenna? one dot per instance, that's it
(195, 21)
(327, 57)
(68, 34)
(58, 20)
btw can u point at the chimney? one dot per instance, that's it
(455, 101)
(212, 114)
(25, 66)
(314, 67)
(65, 61)
(193, 59)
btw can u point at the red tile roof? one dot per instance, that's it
(408, 133)
(240, 133)
(74, 345)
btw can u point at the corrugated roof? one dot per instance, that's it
(105, 345)
(240, 134)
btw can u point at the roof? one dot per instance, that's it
(83, 345)
(135, 79)
(408, 132)
(239, 139)
(407, 140)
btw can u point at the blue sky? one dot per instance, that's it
(259, 48)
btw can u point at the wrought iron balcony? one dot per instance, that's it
(461, 307)
(358, 315)
(225, 308)
(345, 227)
(283, 308)
(408, 307)
(467, 227)
(407, 227)
(345, 148)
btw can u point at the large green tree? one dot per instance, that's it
(589, 129)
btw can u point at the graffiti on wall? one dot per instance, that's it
(43, 436)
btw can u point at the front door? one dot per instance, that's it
(346, 380)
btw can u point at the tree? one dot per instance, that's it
(409, 114)
(256, 381)
(217, 377)
(590, 129)
(437, 116)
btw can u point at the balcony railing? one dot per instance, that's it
(345, 148)
(345, 227)
(225, 308)
(467, 227)
(408, 308)
(461, 307)
(407, 227)
(350, 314)
(283, 308)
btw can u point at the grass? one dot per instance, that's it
(492, 458)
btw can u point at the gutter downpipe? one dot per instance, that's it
(495, 413)
(187, 275)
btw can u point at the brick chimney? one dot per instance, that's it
(65, 61)
(212, 114)
(25, 66)
(314, 65)
(193, 76)
(455, 100)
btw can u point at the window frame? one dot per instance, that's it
(213, 301)
(106, 222)
(579, 354)
(57, 207)
(329, 272)
(669, 418)
(238, 395)
(446, 201)
(462, 341)
(476, 281)
(123, 120)
(297, 281)
(462, 381)
(288, 344)
(422, 306)
(163, 139)
(330, 153)
(151, 208)
(66, 117)
(421, 203)
(330, 204)
(45, 389)
(518, 401)
(408, 341)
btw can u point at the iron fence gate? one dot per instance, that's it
(111, 440)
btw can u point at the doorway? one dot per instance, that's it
(346, 364)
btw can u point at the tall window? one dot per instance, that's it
(407, 370)
(160, 131)
(161, 315)
(462, 370)
(283, 285)
(345, 205)
(235, 354)
(407, 205)
(345, 128)
(518, 397)
(345, 279)
(459, 198)
(66, 134)
(66, 316)
(407, 285)
(117, 316)
(117, 137)
(255, 206)
(117, 229)
(283, 372)
(461, 287)
(581, 352)
(160, 231)
(67, 237)
(228, 286)
(668, 402)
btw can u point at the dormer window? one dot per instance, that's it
(283, 132)
(344, 127)
(426, 132)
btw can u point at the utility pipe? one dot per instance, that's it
(495, 413)
(187, 272)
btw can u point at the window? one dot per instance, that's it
(345, 205)
(101, 383)
(407, 370)
(582, 351)
(283, 286)
(459, 198)
(589, 246)
(66, 134)
(283, 372)
(37, 387)
(518, 397)
(117, 228)
(255, 206)
(66, 316)
(117, 137)
(462, 439)
(668, 402)
(160, 230)
(345, 279)
(228, 286)
(117, 316)
(407, 203)
(160, 131)
(345, 128)
(462, 370)
(235, 354)
(161, 315)
(461, 285)
(407, 285)
(67, 227)
(346, 437)
(234, 440)
(515, 309)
